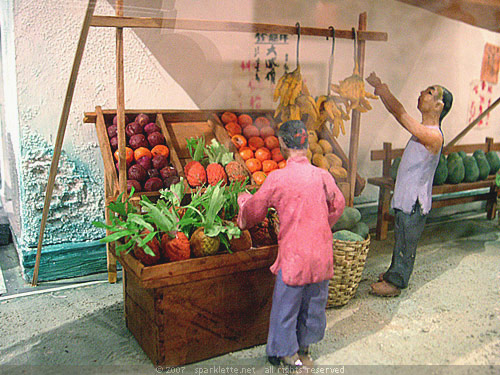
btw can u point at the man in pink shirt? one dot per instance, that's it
(308, 203)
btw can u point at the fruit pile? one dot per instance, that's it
(146, 154)
(320, 154)
(256, 142)
(168, 231)
(211, 164)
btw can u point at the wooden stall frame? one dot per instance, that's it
(120, 22)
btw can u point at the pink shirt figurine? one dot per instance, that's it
(308, 203)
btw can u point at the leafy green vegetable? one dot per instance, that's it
(218, 153)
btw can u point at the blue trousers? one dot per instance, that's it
(408, 229)
(298, 317)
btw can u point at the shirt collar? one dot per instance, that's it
(298, 159)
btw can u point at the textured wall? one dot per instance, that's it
(185, 70)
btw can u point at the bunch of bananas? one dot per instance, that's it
(295, 99)
(288, 87)
(352, 89)
(330, 111)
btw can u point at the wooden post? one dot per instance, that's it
(356, 117)
(470, 126)
(60, 132)
(120, 104)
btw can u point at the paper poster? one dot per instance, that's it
(491, 63)
(258, 74)
(480, 99)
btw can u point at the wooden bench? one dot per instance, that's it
(386, 185)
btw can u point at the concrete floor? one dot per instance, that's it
(446, 322)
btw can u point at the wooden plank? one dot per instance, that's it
(471, 125)
(120, 105)
(337, 150)
(106, 152)
(229, 26)
(469, 149)
(198, 268)
(222, 136)
(174, 157)
(356, 118)
(143, 329)
(197, 321)
(61, 131)
(440, 189)
(460, 200)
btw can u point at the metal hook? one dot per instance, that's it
(355, 37)
(297, 25)
(332, 29)
(330, 62)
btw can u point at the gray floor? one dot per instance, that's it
(446, 322)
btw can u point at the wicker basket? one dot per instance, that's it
(349, 262)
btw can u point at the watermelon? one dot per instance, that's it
(346, 235)
(471, 169)
(456, 170)
(349, 218)
(493, 161)
(482, 163)
(441, 173)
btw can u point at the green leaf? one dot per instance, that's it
(165, 223)
(124, 247)
(98, 224)
(146, 239)
(497, 180)
(117, 235)
(138, 219)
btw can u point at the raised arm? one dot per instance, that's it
(430, 138)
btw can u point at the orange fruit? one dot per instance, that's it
(228, 117)
(282, 164)
(271, 142)
(262, 154)
(142, 151)
(246, 153)
(259, 177)
(160, 150)
(266, 131)
(129, 155)
(239, 141)
(255, 142)
(244, 120)
(261, 122)
(233, 128)
(269, 166)
(276, 155)
(253, 165)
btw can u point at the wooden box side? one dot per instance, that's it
(204, 318)
(102, 118)
(140, 316)
(162, 275)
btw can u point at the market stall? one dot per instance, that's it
(186, 309)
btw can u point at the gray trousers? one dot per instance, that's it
(298, 317)
(407, 232)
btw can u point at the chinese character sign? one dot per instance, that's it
(490, 64)
(257, 74)
(480, 100)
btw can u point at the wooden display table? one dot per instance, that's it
(386, 185)
(187, 311)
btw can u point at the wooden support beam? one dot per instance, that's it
(471, 125)
(356, 117)
(180, 24)
(61, 130)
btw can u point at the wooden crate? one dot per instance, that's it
(188, 311)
